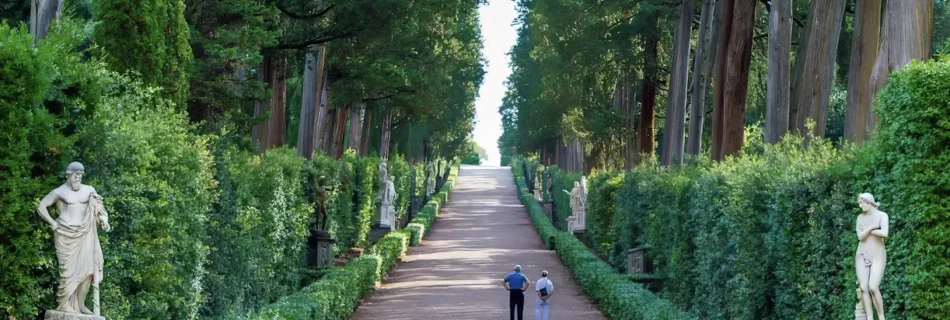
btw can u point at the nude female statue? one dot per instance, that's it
(871, 257)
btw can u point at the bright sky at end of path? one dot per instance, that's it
(498, 35)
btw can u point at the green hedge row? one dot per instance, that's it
(770, 234)
(336, 294)
(617, 296)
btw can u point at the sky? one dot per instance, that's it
(498, 35)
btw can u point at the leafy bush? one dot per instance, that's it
(911, 158)
(603, 187)
(258, 231)
(333, 297)
(157, 181)
(27, 261)
(365, 190)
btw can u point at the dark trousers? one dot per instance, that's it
(516, 299)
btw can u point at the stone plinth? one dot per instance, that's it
(320, 249)
(58, 315)
(638, 261)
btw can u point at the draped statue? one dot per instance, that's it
(76, 237)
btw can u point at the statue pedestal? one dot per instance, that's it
(59, 315)
(376, 231)
(320, 249)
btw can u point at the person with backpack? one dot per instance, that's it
(542, 303)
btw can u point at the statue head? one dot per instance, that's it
(866, 202)
(74, 173)
(577, 184)
(392, 179)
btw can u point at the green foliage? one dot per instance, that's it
(257, 232)
(227, 38)
(25, 254)
(365, 190)
(157, 181)
(399, 168)
(617, 296)
(473, 153)
(911, 155)
(149, 38)
(602, 191)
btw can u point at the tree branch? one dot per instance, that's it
(390, 95)
(310, 42)
(289, 13)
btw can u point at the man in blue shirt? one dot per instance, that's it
(516, 283)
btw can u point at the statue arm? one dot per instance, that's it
(103, 215)
(47, 201)
(883, 231)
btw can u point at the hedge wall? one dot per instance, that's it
(770, 235)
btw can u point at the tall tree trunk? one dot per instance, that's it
(697, 111)
(907, 27)
(339, 132)
(867, 30)
(42, 15)
(725, 32)
(736, 84)
(629, 99)
(367, 129)
(645, 135)
(323, 112)
(780, 46)
(675, 135)
(272, 132)
(356, 114)
(814, 87)
(312, 88)
(386, 134)
(798, 70)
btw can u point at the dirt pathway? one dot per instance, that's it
(481, 233)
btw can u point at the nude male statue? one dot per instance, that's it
(77, 240)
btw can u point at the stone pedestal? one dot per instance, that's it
(581, 236)
(376, 232)
(638, 261)
(320, 249)
(58, 315)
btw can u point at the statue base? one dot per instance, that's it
(59, 315)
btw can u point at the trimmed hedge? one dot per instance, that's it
(618, 297)
(336, 294)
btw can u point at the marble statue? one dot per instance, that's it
(578, 207)
(76, 238)
(322, 202)
(387, 211)
(538, 193)
(383, 173)
(871, 256)
(430, 179)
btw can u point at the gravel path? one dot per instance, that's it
(481, 233)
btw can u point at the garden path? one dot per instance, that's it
(479, 236)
